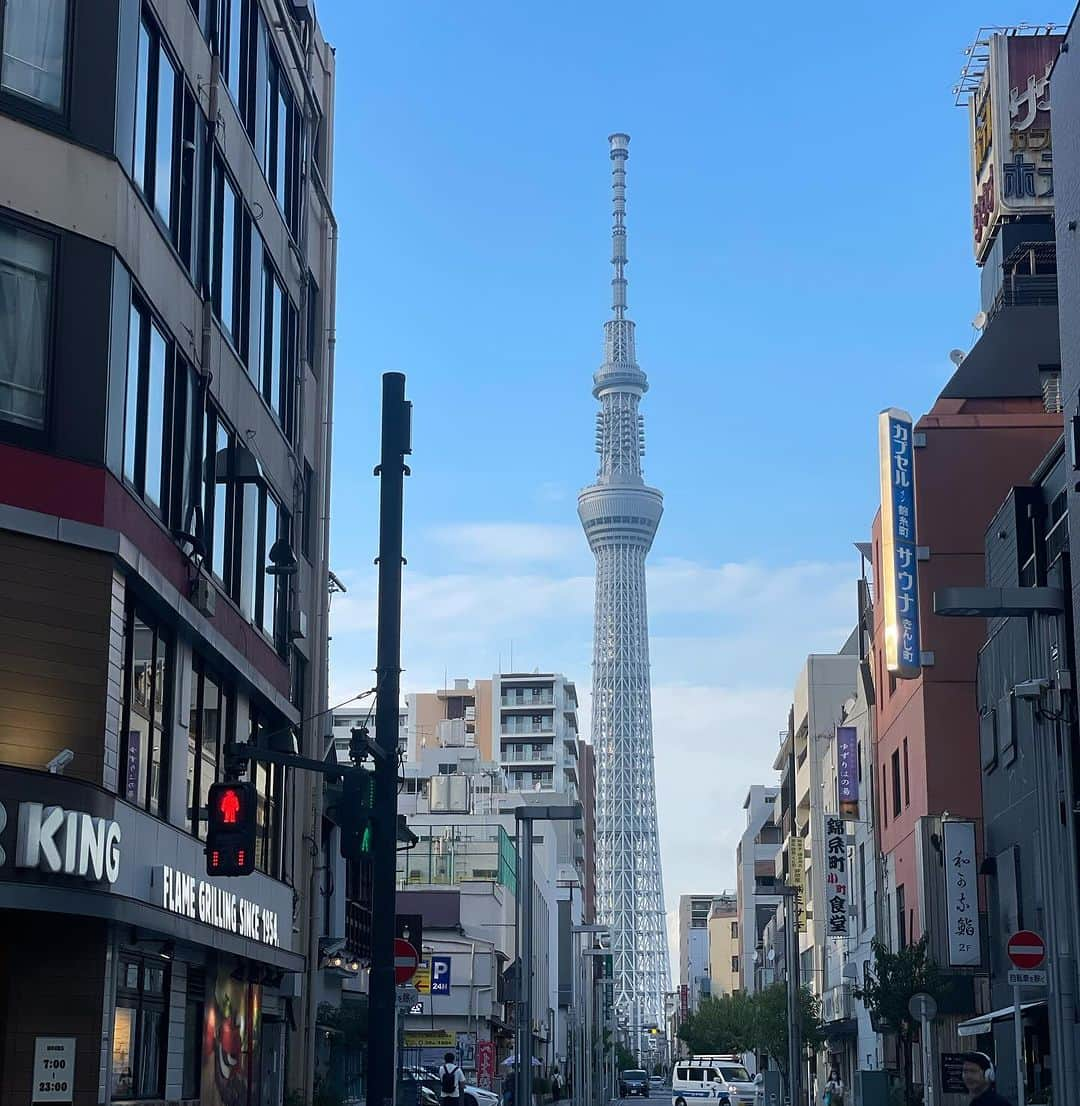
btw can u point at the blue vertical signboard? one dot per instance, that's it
(847, 771)
(899, 568)
(440, 975)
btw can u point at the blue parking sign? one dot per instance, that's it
(440, 975)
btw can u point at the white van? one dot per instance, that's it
(693, 1079)
(718, 1077)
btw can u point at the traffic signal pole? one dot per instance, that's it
(382, 1019)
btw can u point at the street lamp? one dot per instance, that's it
(524, 817)
(583, 1092)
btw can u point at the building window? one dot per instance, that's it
(156, 123)
(140, 1027)
(276, 126)
(26, 271)
(884, 793)
(217, 505)
(208, 728)
(862, 885)
(143, 753)
(230, 46)
(313, 329)
(33, 44)
(228, 226)
(273, 350)
(901, 919)
(307, 521)
(734, 965)
(907, 778)
(270, 791)
(734, 931)
(193, 1029)
(896, 783)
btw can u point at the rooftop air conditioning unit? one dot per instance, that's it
(451, 732)
(449, 795)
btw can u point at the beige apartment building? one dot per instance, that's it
(725, 975)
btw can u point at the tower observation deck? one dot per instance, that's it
(620, 515)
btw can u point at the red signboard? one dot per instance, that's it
(1026, 949)
(485, 1064)
(406, 961)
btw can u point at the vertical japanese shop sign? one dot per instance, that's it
(961, 894)
(899, 569)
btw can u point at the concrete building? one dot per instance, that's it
(525, 721)
(694, 961)
(755, 865)
(725, 961)
(1027, 545)
(167, 267)
(852, 1043)
(824, 685)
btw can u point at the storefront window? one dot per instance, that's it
(139, 1028)
(270, 788)
(206, 732)
(145, 689)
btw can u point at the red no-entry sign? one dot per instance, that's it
(1026, 949)
(406, 959)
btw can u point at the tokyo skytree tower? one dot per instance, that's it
(620, 514)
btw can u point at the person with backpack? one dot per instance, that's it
(452, 1081)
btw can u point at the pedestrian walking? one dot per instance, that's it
(452, 1081)
(556, 1085)
(834, 1090)
(979, 1078)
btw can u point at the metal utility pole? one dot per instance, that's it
(392, 470)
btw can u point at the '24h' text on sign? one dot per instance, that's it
(205, 902)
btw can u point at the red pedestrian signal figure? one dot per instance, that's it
(229, 806)
(231, 829)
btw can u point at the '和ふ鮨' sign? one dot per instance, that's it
(961, 894)
(899, 570)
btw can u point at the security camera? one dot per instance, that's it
(1030, 689)
(59, 762)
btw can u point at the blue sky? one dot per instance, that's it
(800, 257)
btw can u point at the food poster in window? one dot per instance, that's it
(230, 1052)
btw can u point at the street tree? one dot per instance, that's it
(888, 989)
(721, 1025)
(771, 1023)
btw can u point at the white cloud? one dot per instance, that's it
(498, 543)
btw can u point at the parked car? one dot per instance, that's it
(633, 1081)
(656, 1080)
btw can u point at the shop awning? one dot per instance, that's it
(976, 1026)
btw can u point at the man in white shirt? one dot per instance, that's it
(452, 1080)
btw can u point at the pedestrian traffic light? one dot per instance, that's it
(230, 832)
(351, 806)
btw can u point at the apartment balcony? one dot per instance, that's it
(570, 745)
(837, 1004)
(535, 699)
(547, 728)
(544, 755)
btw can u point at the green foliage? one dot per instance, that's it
(719, 1025)
(892, 982)
(889, 987)
(742, 1022)
(624, 1058)
(771, 1023)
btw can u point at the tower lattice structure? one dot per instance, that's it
(620, 514)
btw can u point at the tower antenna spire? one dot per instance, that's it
(620, 152)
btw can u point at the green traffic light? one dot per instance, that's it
(367, 839)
